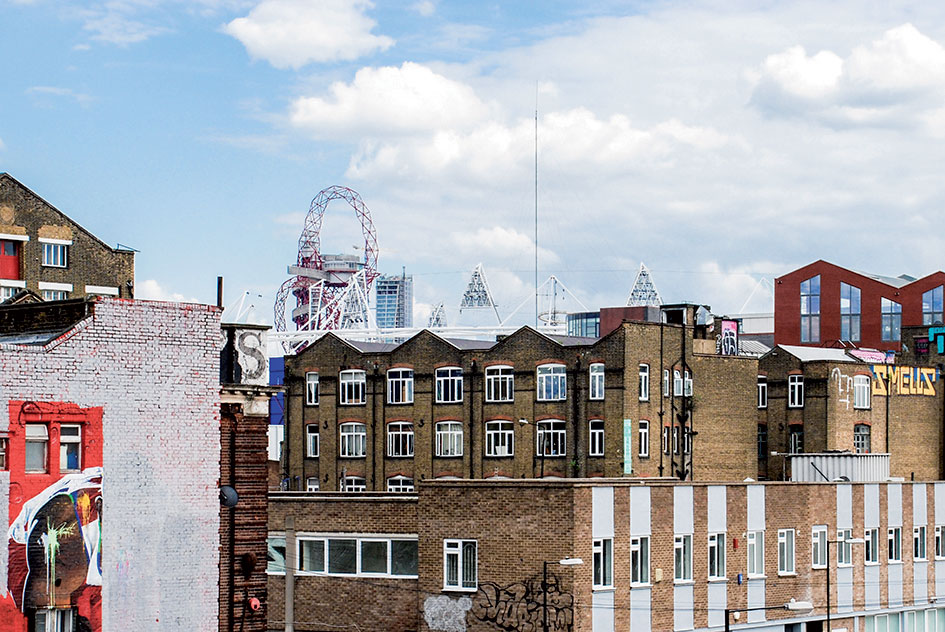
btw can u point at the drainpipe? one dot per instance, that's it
(290, 574)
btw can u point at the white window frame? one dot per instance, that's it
(595, 377)
(449, 438)
(687, 384)
(449, 385)
(665, 382)
(65, 441)
(4, 447)
(352, 387)
(457, 551)
(716, 567)
(500, 438)
(755, 544)
(595, 435)
(871, 548)
(844, 547)
(664, 440)
(353, 484)
(312, 441)
(358, 542)
(786, 552)
(762, 391)
(603, 571)
(795, 391)
(644, 382)
(861, 392)
(401, 484)
(273, 541)
(55, 295)
(352, 437)
(55, 253)
(556, 444)
(400, 386)
(312, 484)
(894, 545)
(818, 546)
(38, 434)
(500, 383)
(940, 542)
(640, 560)
(682, 558)
(677, 383)
(862, 441)
(551, 382)
(795, 445)
(643, 434)
(920, 543)
(400, 439)
(311, 388)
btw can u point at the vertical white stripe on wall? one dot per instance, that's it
(717, 508)
(871, 589)
(602, 512)
(894, 504)
(894, 519)
(602, 616)
(919, 500)
(640, 598)
(871, 505)
(844, 506)
(683, 602)
(756, 508)
(682, 509)
(939, 503)
(640, 610)
(920, 570)
(756, 522)
(639, 511)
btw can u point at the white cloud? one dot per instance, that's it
(497, 243)
(150, 289)
(113, 23)
(426, 8)
(54, 91)
(294, 33)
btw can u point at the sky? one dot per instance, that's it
(721, 143)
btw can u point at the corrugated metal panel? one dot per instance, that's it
(858, 468)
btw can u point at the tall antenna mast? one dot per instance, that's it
(536, 205)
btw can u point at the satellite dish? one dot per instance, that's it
(228, 496)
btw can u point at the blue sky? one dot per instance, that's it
(718, 142)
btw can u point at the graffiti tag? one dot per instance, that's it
(904, 380)
(844, 386)
(520, 607)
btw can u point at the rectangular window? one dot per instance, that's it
(3, 453)
(311, 388)
(665, 382)
(55, 255)
(366, 557)
(55, 295)
(762, 391)
(352, 484)
(664, 444)
(312, 484)
(275, 558)
(449, 438)
(500, 438)
(677, 383)
(932, 307)
(675, 439)
(374, 557)
(892, 320)
(552, 382)
(9, 263)
(919, 543)
(796, 440)
(894, 544)
(687, 384)
(54, 620)
(400, 439)
(756, 553)
(795, 391)
(400, 386)
(70, 448)
(762, 441)
(872, 545)
(644, 382)
(500, 384)
(640, 560)
(818, 546)
(449, 385)
(343, 556)
(940, 542)
(603, 563)
(311, 555)
(596, 378)
(311, 443)
(551, 438)
(861, 439)
(716, 556)
(810, 310)
(459, 565)
(353, 440)
(37, 444)
(400, 485)
(351, 386)
(861, 392)
(644, 435)
(682, 557)
(844, 547)
(849, 313)
(596, 435)
(785, 551)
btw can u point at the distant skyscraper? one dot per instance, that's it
(394, 300)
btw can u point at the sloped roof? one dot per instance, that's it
(815, 354)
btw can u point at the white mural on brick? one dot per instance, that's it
(445, 614)
(844, 386)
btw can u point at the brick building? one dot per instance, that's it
(647, 399)
(654, 556)
(45, 252)
(823, 304)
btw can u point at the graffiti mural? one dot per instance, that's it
(844, 386)
(520, 607)
(726, 343)
(904, 380)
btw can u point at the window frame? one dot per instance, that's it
(65, 441)
(844, 548)
(311, 388)
(762, 391)
(551, 382)
(36, 439)
(939, 544)
(762, 441)
(55, 254)
(920, 543)
(500, 381)
(935, 306)
(500, 433)
(399, 386)
(595, 378)
(891, 320)
(894, 545)
(595, 436)
(458, 548)
(716, 551)
(677, 383)
(796, 439)
(448, 385)
(352, 387)
(682, 558)
(644, 386)
(795, 391)
(400, 484)
(862, 385)
(643, 437)
(786, 552)
(640, 560)
(448, 434)
(602, 551)
(557, 429)
(871, 547)
(400, 439)
(818, 546)
(755, 548)
(312, 450)
(272, 545)
(810, 309)
(850, 313)
(349, 437)
(358, 540)
(665, 382)
(862, 441)
(352, 484)
(312, 487)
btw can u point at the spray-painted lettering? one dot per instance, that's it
(904, 380)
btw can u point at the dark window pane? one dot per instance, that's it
(403, 557)
(374, 557)
(342, 556)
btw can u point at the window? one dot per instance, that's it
(343, 556)
(311, 388)
(353, 484)
(939, 542)
(3, 453)
(861, 439)
(810, 310)
(9, 262)
(796, 440)
(716, 556)
(311, 555)
(818, 546)
(785, 551)
(664, 444)
(603, 563)
(275, 558)
(500, 438)
(351, 386)
(55, 255)
(892, 319)
(687, 439)
(849, 313)
(400, 386)
(596, 378)
(894, 544)
(643, 432)
(762, 391)
(675, 439)
(640, 560)
(400, 438)
(353, 440)
(795, 391)
(677, 383)
(861, 391)
(665, 382)
(312, 484)
(844, 547)
(918, 543)
(762, 441)
(644, 382)
(400, 484)
(500, 384)
(687, 384)
(359, 556)
(756, 553)
(596, 433)
(449, 438)
(7, 292)
(70, 448)
(871, 536)
(311, 443)
(552, 382)
(459, 565)
(54, 620)
(682, 557)
(37, 442)
(932, 307)
(551, 438)
(449, 385)
(55, 295)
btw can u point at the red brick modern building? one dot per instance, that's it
(825, 305)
